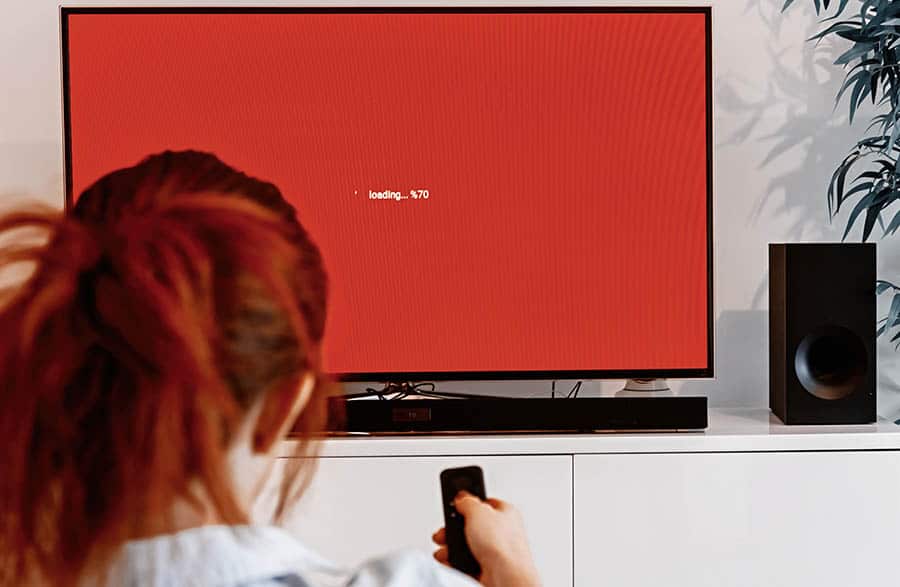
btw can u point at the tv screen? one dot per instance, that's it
(497, 193)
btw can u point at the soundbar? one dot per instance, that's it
(497, 415)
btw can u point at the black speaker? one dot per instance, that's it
(822, 333)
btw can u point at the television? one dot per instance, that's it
(498, 193)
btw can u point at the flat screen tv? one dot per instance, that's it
(498, 193)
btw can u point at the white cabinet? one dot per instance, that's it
(817, 519)
(748, 503)
(356, 508)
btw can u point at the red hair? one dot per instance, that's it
(165, 303)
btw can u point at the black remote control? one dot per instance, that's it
(453, 481)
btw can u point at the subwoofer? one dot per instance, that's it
(822, 333)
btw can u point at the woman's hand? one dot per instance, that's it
(496, 536)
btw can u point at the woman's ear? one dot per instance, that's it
(279, 411)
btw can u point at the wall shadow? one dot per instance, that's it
(795, 116)
(739, 363)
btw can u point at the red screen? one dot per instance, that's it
(491, 191)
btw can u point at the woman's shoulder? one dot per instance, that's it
(400, 569)
(265, 556)
(407, 568)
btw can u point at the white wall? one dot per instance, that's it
(777, 141)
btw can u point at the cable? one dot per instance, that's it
(575, 389)
(573, 393)
(401, 390)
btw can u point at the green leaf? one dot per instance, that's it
(862, 187)
(882, 199)
(858, 50)
(839, 10)
(894, 135)
(893, 226)
(860, 90)
(882, 286)
(865, 8)
(836, 186)
(869, 175)
(850, 81)
(880, 119)
(874, 65)
(887, 165)
(862, 205)
(874, 86)
(872, 214)
(854, 36)
(894, 312)
(844, 26)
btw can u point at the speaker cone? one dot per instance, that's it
(831, 362)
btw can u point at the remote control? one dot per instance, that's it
(452, 482)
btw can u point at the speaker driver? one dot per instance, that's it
(831, 362)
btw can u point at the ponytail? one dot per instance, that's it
(158, 311)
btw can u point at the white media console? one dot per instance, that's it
(748, 503)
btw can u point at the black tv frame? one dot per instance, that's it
(707, 372)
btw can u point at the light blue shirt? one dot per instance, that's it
(262, 556)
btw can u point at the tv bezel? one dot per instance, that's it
(677, 373)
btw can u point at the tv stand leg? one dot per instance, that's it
(645, 387)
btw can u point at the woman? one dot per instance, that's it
(165, 342)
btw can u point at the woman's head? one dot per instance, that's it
(174, 312)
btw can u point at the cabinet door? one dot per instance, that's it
(357, 508)
(747, 519)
